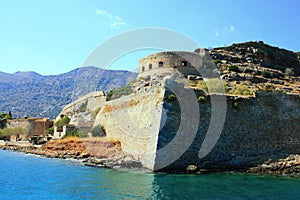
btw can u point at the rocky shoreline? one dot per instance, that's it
(108, 154)
(288, 166)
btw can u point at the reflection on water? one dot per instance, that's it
(225, 186)
(32, 177)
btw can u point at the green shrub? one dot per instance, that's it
(202, 85)
(266, 87)
(201, 99)
(214, 85)
(216, 61)
(235, 105)
(13, 131)
(234, 68)
(51, 131)
(75, 133)
(3, 118)
(171, 97)
(63, 121)
(243, 90)
(266, 74)
(118, 92)
(98, 131)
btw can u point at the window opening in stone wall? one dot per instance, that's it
(184, 63)
(160, 64)
(143, 68)
(150, 66)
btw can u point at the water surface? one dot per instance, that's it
(31, 177)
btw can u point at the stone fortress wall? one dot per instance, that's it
(134, 120)
(168, 63)
(91, 102)
(255, 129)
(82, 113)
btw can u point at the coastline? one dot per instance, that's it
(109, 155)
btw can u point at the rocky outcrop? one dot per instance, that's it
(286, 166)
(258, 53)
(259, 66)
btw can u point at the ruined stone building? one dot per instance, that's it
(30, 127)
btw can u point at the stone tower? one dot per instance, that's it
(168, 63)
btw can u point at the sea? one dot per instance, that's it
(24, 176)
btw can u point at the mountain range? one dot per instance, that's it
(32, 94)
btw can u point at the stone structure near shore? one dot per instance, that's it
(82, 113)
(168, 63)
(31, 126)
(257, 127)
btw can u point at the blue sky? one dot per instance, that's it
(56, 36)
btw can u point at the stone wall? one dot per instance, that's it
(32, 126)
(255, 129)
(87, 103)
(82, 112)
(134, 120)
(167, 63)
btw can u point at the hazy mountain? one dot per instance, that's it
(32, 94)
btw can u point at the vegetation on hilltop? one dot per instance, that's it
(63, 121)
(3, 118)
(120, 91)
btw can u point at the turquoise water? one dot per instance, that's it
(31, 177)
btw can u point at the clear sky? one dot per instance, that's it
(56, 36)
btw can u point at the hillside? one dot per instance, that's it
(31, 94)
(258, 66)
